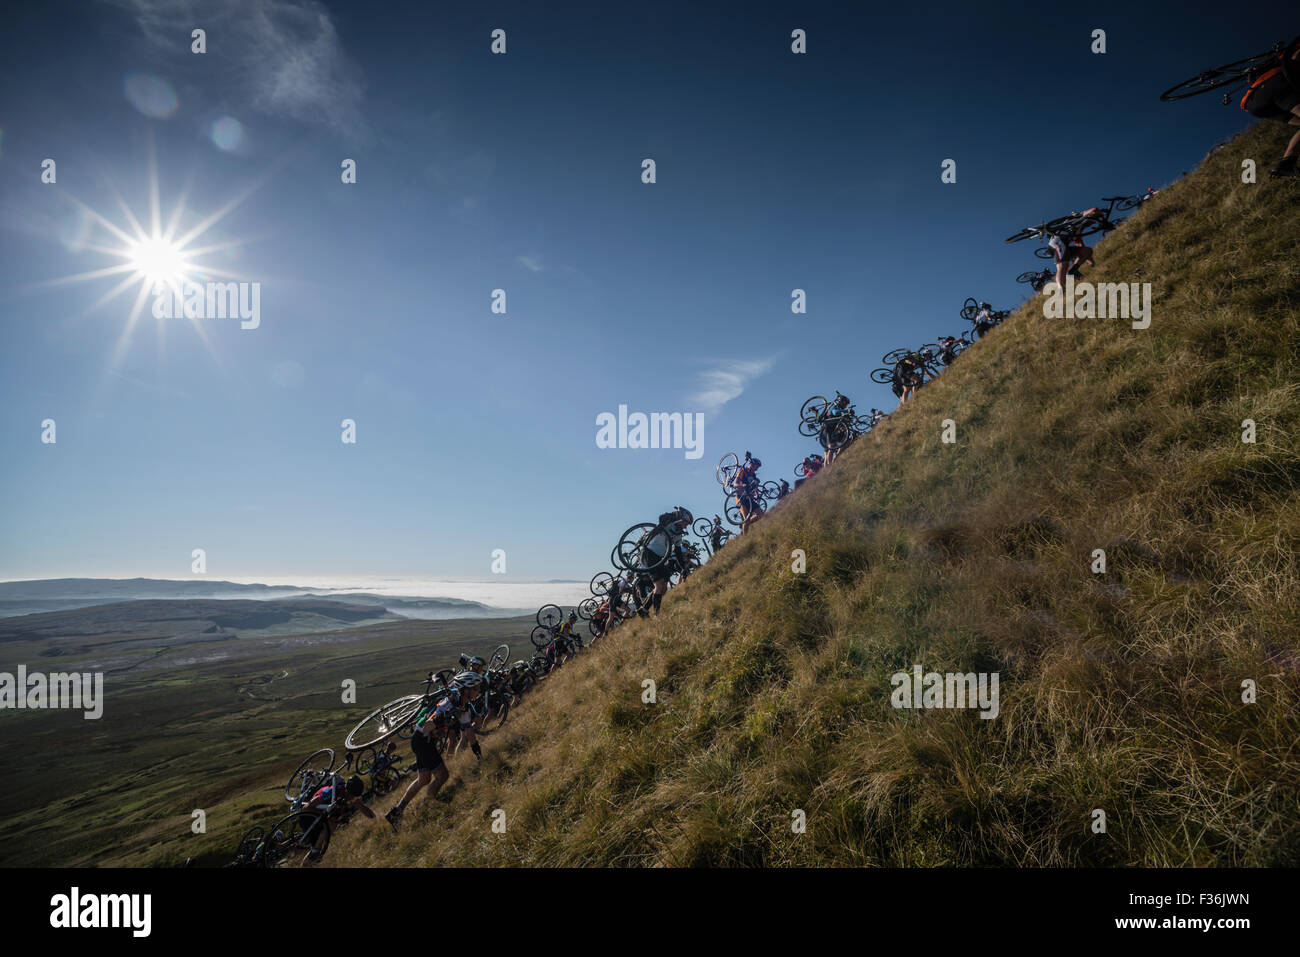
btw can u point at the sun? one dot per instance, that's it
(154, 254)
(159, 262)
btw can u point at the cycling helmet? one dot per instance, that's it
(573, 616)
(842, 401)
(475, 662)
(468, 679)
(758, 463)
(356, 786)
(985, 305)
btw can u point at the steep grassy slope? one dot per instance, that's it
(1120, 691)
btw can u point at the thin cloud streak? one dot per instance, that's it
(726, 381)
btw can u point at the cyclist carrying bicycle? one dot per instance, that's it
(909, 374)
(662, 548)
(443, 714)
(812, 464)
(1276, 96)
(332, 801)
(748, 492)
(715, 533)
(834, 431)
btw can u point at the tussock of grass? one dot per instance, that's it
(1119, 691)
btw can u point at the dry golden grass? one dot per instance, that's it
(1119, 691)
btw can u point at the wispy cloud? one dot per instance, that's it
(726, 381)
(281, 57)
(532, 263)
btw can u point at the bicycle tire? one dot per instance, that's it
(500, 655)
(601, 581)
(246, 851)
(550, 615)
(366, 759)
(587, 607)
(882, 376)
(389, 719)
(539, 634)
(631, 551)
(728, 465)
(894, 356)
(295, 786)
(970, 308)
(290, 835)
(1029, 232)
(1217, 77)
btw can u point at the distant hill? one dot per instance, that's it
(39, 596)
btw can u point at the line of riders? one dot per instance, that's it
(459, 705)
(462, 704)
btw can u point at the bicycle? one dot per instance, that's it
(396, 716)
(1236, 76)
(1036, 280)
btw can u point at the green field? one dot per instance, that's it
(218, 735)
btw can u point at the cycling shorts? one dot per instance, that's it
(427, 757)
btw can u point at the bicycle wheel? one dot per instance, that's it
(383, 722)
(540, 666)
(727, 467)
(883, 376)
(892, 357)
(366, 760)
(1028, 232)
(540, 637)
(813, 408)
(588, 608)
(1129, 202)
(601, 581)
(632, 551)
(316, 766)
(499, 657)
(1044, 252)
(702, 527)
(550, 615)
(969, 309)
(296, 834)
(771, 491)
(384, 780)
(733, 514)
(1029, 277)
(248, 852)
(1213, 79)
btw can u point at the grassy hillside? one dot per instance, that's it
(1120, 691)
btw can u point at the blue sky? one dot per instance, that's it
(477, 431)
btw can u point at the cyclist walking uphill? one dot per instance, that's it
(810, 466)
(984, 319)
(715, 533)
(834, 429)
(329, 801)
(1069, 253)
(443, 715)
(909, 374)
(1276, 96)
(748, 491)
(661, 549)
